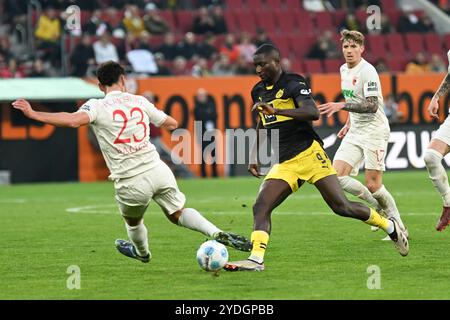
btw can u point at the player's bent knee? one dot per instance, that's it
(174, 217)
(341, 209)
(373, 186)
(432, 158)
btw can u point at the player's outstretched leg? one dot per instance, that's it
(438, 176)
(137, 247)
(192, 219)
(334, 196)
(272, 193)
(359, 190)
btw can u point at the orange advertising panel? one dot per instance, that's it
(232, 100)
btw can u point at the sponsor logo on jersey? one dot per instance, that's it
(372, 86)
(348, 93)
(86, 107)
(279, 93)
(305, 91)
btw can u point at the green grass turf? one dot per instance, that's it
(312, 253)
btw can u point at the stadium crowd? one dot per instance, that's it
(205, 37)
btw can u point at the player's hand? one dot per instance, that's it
(24, 106)
(264, 107)
(433, 108)
(330, 108)
(341, 134)
(254, 170)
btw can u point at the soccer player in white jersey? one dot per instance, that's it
(438, 148)
(366, 132)
(121, 124)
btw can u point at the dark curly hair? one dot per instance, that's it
(108, 73)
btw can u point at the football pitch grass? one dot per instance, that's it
(46, 229)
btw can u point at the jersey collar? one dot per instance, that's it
(113, 93)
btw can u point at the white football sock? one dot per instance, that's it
(438, 175)
(387, 203)
(359, 190)
(192, 219)
(138, 236)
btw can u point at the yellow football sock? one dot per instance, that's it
(377, 220)
(259, 240)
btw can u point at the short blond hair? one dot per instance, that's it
(354, 35)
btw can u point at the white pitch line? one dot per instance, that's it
(103, 209)
(94, 209)
(13, 200)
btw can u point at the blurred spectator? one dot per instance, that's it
(437, 64)
(113, 17)
(381, 66)
(96, 26)
(132, 20)
(391, 110)
(38, 70)
(188, 48)
(105, 50)
(180, 67)
(163, 70)
(203, 22)
(262, 37)
(243, 67)
(5, 47)
(143, 41)
(169, 48)
(48, 33)
(246, 47)
(10, 69)
(386, 26)
(325, 48)
(230, 48)
(142, 61)
(409, 21)
(220, 25)
(201, 68)
(419, 65)
(153, 22)
(205, 111)
(223, 66)
(207, 49)
(426, 24)
(82, 57)
(351, 23)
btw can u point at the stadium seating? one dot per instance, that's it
(313, 66)
(332, 65)
(415, 43)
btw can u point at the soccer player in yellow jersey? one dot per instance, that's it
(285, 104)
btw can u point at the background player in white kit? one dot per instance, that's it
(366, 133)
(121, 124)
(438, 148)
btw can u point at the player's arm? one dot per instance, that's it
(59, 119)
(306, 107)
(253, 166)
(169, 124)
(306, 111)
(369, 105)
(341, 134)
(433, 107)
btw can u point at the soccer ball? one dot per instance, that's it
(212, 255)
